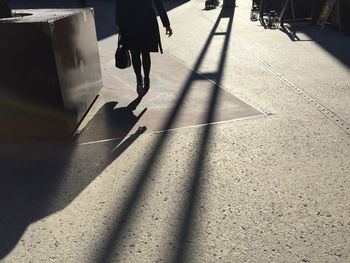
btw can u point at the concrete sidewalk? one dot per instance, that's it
(266, 181)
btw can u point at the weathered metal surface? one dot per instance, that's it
(50, 71)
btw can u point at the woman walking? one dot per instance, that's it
(139, 31)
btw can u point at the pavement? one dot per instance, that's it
(239, 153)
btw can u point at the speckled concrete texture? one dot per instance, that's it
(273, 188)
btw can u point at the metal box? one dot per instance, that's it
(50, 72)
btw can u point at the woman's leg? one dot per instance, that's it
(146, 64)
(136, 64)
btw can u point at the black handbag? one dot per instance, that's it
(122, 56)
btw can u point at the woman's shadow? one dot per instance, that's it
(38, 179)
(112, 123)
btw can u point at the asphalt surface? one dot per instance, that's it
(270, 185)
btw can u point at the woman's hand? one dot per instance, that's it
(168, 31)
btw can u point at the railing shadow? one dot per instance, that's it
(189, 207)
(121, 219)
(38, 178)
(330, 39)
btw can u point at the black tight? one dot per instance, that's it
(136, 63)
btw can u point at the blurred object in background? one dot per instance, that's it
(5, 11)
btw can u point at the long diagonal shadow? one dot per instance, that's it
(39, 177)
(188, 210)
(112, 243)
